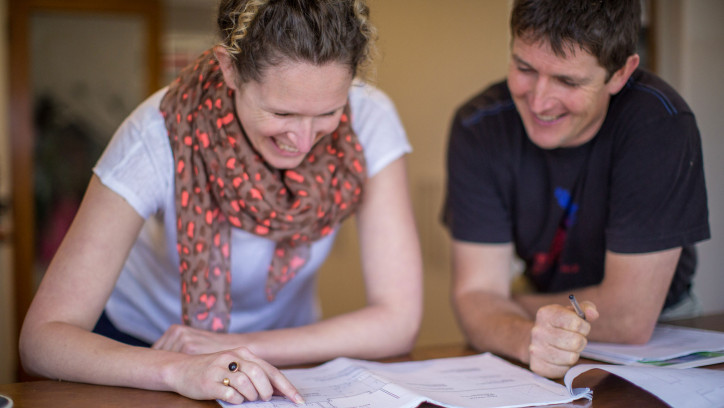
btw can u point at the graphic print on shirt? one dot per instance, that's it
(546, 261)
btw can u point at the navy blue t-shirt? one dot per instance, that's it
(636, 187)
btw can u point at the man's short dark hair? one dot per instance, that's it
(607, 29)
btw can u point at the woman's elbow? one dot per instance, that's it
(408, 325)
(29, 350)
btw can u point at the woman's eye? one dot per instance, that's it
(282, 115)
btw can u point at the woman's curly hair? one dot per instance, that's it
(262, 33)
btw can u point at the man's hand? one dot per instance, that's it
(558, 337)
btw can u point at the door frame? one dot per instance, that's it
(22, 137)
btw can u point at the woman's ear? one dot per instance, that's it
(228, 68)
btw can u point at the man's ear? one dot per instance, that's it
(620, 77)
(228, 68)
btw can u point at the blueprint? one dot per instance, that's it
(482, 380)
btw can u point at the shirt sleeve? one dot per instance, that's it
(476, 204)
(658, 193)
(134, 161)
(378, 127)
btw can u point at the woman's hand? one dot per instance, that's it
(234, 376)
(188, 340)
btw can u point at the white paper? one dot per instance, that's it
(690, 388)
(667, 342)
(477, 381)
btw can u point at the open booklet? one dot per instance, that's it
(670, 346)
(477, 381)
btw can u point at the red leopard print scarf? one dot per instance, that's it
(221, 181)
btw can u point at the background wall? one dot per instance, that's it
(431, 60)
(691, 43)
(433, 57)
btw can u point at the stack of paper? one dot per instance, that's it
(670, 346)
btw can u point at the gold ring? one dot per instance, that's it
(226, 382)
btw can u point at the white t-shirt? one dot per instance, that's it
(138, 165)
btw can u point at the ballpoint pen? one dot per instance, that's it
(576, 306)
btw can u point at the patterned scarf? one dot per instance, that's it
(221, 181)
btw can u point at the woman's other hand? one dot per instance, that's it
(188, 340)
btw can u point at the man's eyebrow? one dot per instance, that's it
(564, 78)
(579, 80)
(520, 60)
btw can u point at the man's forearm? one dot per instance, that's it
(496, 324)
(618, 323)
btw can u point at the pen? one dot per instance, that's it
(576, 306)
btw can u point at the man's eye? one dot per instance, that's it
(282, 115)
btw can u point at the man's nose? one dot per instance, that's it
(541, 96)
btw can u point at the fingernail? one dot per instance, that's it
(298, 399)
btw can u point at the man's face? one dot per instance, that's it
(562, 100)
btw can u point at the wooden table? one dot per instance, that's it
(608, 389)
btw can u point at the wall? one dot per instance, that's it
(701, 65)
(433, 56)
(691, 38)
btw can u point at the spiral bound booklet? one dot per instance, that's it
(669, 346)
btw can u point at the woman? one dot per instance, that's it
(215, 203)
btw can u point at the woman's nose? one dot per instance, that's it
(304, 134)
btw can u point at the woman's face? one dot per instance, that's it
(291, 108)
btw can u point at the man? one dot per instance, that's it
(586, 168)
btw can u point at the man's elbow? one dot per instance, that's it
(635, 333)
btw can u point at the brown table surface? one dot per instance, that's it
(608, 389)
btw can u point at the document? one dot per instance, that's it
(692, 388)
(670, 346)
(477, 381)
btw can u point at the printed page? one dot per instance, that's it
(461, 382)
(482, 380)
(690, 388)
(667, 342)
(340, 383)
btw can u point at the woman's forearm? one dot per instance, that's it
(370, 333)
(63, 351)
